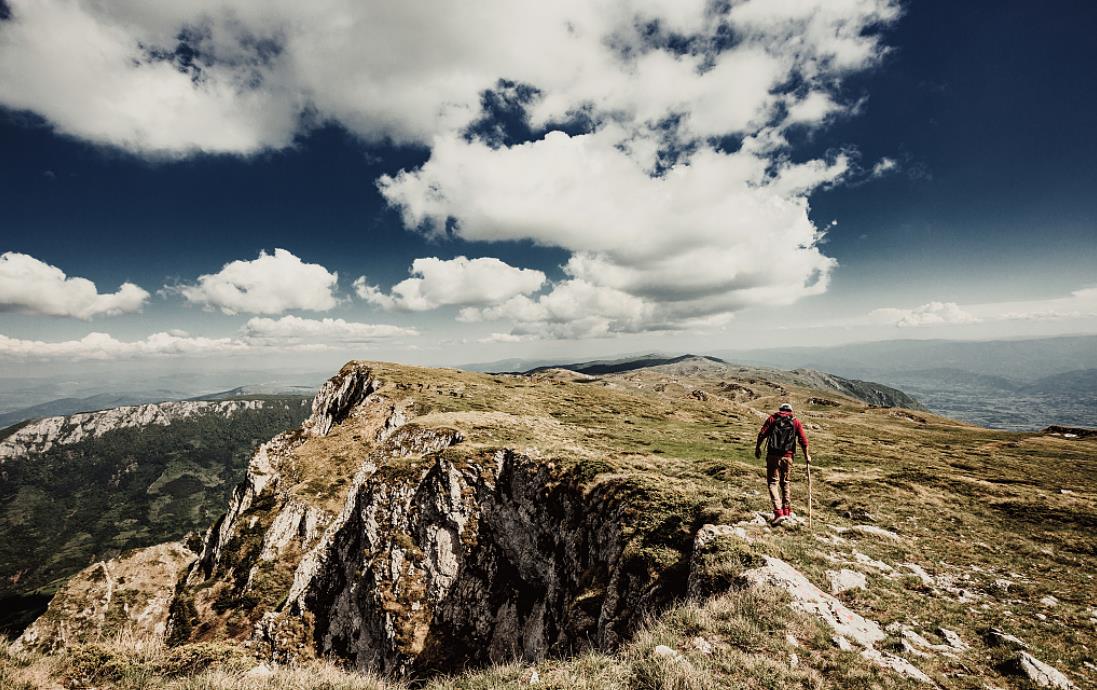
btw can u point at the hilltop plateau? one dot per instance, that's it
(603, 530)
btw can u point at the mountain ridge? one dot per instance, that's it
(425, 521)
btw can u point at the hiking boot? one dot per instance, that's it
(778, 514)
(786, 511)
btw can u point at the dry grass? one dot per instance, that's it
(974, 507)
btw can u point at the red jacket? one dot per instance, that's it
(795, 423)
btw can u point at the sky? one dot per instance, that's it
(266, 185)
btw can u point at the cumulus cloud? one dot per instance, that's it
(270, 284)
(668, 226)
(707, 238)
(35, 287)
(110, 73)
(157, 76)
(437, 282)
(813, 108)
(290, 329)
(930, 314)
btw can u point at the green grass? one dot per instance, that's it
(973, 506)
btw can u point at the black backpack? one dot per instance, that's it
(782, 435)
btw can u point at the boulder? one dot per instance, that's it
(810, 599)
(869, 530)
(1041, 674)
(999, 638)
(845, 580)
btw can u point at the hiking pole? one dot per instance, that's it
(809, 494)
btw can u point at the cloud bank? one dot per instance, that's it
(34, 287)
(291, 329)
(1080, 304)
(103, 346)
(930, 314)
(259, 334)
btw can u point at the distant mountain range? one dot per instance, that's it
(63, 407)
(866, 391)
(1008, 384)
(1019, 360)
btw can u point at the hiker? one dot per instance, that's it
(780, 432)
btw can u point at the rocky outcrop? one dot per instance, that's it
(337, 398)
(467, 560)
(724, 549)
(436, 556)
(876, 394)
(43, 434)
(1041, 674)
(131, 593)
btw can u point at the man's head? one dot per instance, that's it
(785, 407)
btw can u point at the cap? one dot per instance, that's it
(785, 407)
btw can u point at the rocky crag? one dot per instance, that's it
(38, 436)
(435, 553)
(426, 521)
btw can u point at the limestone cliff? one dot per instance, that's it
(40, 435)
(420, 552)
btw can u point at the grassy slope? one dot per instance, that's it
(980, 510)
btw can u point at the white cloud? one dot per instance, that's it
(289, 333)
(93, 70)
(103, 346)
(930, 314)
(437, 282)
(884, 166)
(270, 284)
(34, 287)
(113, 72)
(665, 229)
(813, 108)
(1080, 304)
(504, 338)
(289, 329)
(705, 239)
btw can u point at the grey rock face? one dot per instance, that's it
(466, 563)
(440, 556)
(43, 434)
(337, 398)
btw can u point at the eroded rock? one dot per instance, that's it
(1041, 674)
(845, 580)
(131, 593)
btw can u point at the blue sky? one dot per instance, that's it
(658, 176)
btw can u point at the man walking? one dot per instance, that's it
(781, 431)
